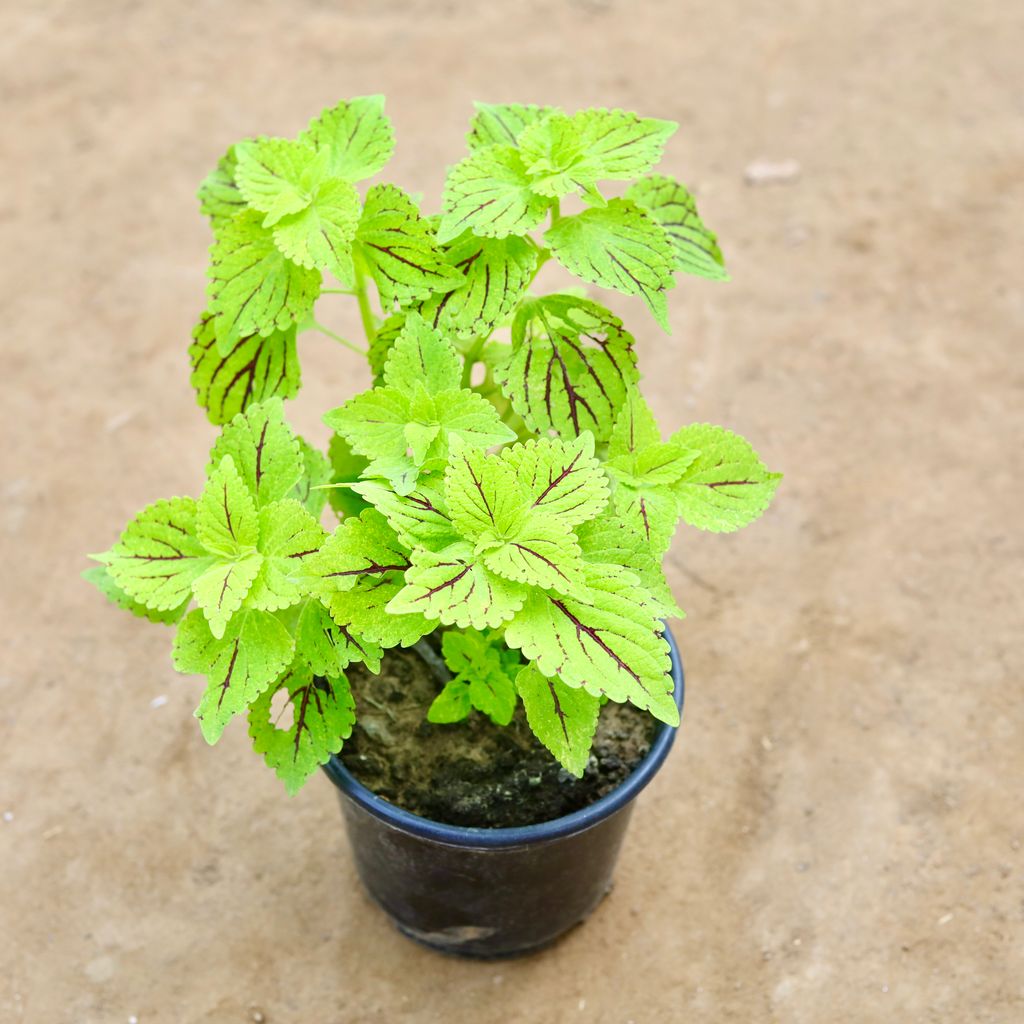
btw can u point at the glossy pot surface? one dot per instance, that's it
(491, 892)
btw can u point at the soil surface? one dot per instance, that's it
(838, 835)
(475, 773)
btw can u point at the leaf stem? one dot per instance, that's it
(336, 291)
(365, 312)
(472, 357)
(317, 326)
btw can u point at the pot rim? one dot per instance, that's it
(556, 828)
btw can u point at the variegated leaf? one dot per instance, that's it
(570, 367)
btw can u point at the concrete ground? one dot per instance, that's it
(837, 836)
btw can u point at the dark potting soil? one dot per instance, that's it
(474, 773)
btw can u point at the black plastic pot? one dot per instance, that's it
(492, 892)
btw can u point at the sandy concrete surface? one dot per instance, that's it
(837, 836)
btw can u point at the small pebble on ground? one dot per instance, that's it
(771, 172)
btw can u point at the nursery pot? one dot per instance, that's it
(492, 892)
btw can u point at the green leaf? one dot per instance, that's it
(644, 469)
(611, 540)
(463, 414)
(254, 289)
(382, 343)
(421, 354)
(419, 519)
(373, 422)
(620, 143)
(277, 176)
(513, 534)
(322, 715)
(360, 568)
(552, 153)
(364, 611)
(219, 197)
(320, 235)
(571, 366)
(400, 251)
(158, 556)
(564, 154)
(452, 704)
(651, 509)
(328, 648)
(726, 486)
(316, 472)
(226, 515)
(288, 538)
(617, 246)
(489, 194)
(265, 451)
(99, 576)
(400, 472)
(481, 493)
(563, 718)
(560, 478)
(403, 434)
(252, 369)
(497, 274)
(674, 208)
(222, 589)
(346, 467)
(457, 588)
(635, 427)
(608, 642)
(356, 135)
(541, 552)
(501, 123)
(360, 547)
(239, 666)
(477, 663)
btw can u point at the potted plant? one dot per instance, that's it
(505, 500)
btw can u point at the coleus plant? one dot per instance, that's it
(523, 515)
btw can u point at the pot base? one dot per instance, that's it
(461, 945)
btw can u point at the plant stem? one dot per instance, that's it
(338, 338)
(471, 359)
(336, 291)
(365, 312)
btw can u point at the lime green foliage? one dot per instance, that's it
(502, 482)
(501, 123)
(99, 576)
(400, 251)
(252, 369)
(484, 678)
(322, 715)
(566, 154)
(725, 486)
(675, 209)
(495, 275)
(571, 366)
(240, 552)
(404, 426)
(219, 196)
(254, 288)
(489, 194)
(644, 470)
(563, 718)
(356, 136)
(617, 246)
